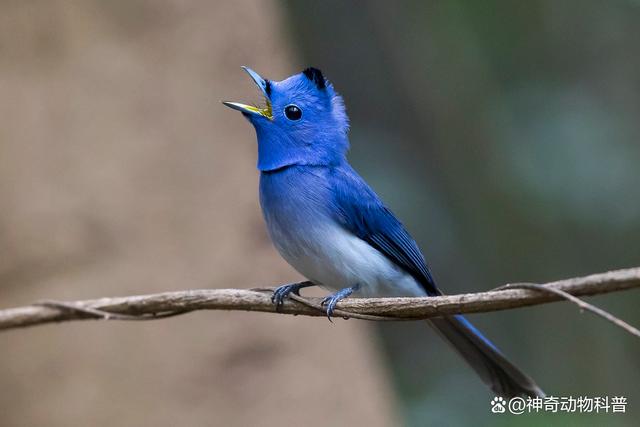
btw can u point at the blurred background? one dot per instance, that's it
(504, 134)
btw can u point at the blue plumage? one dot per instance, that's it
(362, 212)
(331, 226)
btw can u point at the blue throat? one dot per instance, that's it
(277, 149)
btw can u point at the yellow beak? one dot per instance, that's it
(252, 109)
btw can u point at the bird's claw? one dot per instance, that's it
(281, 292)
(332, 300)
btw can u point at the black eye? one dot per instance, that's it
(292, 112)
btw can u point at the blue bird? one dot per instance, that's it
(331, 226)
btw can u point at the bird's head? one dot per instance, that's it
(303, 121)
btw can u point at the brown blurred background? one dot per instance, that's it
(121, 173)
(504, 134)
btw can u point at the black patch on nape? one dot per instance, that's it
(316, 77)
(267, 87)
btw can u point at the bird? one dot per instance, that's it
(330, 225)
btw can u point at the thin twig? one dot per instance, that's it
(582, 304)
(155, 306)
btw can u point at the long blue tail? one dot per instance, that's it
(495, 370)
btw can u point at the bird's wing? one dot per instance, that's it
(361, 211)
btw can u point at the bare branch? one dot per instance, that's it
(154, 306)
(577, 301)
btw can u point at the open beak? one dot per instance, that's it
(254, 109)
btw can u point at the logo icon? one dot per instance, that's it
(498, 405)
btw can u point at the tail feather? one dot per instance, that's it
(495, 370)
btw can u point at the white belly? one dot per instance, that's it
(335, 259)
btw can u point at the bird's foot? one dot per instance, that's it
(281, 292)
(333, 299)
